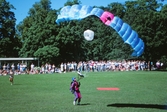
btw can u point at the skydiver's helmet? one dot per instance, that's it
(73, 78)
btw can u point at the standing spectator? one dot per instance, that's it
(8, 67)
(32, 67)
(49, 68)
(53, 68)
(75, 66)
(4, 67)
(46, 68)
(42, 69)
(79, 68)
(65, 67)
(158, 64)
(72, 66)
(62, 67)
(68, 66)
(13, 67)
(21, 68)
(18, 67)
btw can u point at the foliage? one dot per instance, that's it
(47, 53)
(9, 43)
(72, 2)
(38, 32)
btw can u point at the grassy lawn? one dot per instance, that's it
(140, 91)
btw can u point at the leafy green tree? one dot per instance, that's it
(38, 32)
(162, 34)
(9, 43)
(72, 2)
(117, 9)
(47, 52)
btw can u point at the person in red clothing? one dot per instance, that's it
(11, 77)
(75, 90)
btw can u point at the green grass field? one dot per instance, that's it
(140, 91)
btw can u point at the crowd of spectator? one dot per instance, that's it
(109, 65)
(87, 66)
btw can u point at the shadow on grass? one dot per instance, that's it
(154, 106)
(84, 104)
(17, 84)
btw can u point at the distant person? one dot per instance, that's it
(32, 67)
(75, 90)
(11, 77)
(13, 67)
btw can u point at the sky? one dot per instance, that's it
(23, 6)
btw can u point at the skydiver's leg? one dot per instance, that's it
(75, 98)
(79, 98)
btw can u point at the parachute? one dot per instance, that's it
(128, 35)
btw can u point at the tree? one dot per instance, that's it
(117, 9)
(8, 41)
(72, 2)
(38, 32)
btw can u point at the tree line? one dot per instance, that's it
(38, 35)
